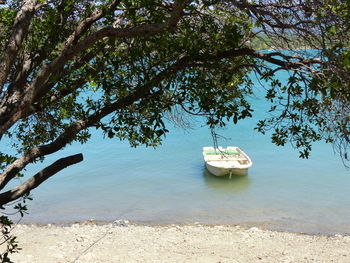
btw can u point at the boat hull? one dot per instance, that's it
(220, 171)
(223, 161)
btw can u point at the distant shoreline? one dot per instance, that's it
(268, 226)
(125, 242)
(122, 222)
(297, 48)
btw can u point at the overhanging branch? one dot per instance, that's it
(37, 89)
(19, 33)
(71, 131)
(38, 178)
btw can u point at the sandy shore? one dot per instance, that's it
(122, 242)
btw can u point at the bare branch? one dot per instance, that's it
(38, 178)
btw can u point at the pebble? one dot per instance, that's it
(122, 222)
(79, 239)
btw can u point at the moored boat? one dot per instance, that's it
(222, 161)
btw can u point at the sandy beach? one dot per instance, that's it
(124, 242)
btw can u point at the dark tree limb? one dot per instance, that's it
(19, 32)
(280, 16)
(39, 178)
(86, 24)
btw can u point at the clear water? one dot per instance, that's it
(171, 185)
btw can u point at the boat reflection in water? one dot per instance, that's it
(236, 184)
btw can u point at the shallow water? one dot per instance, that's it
(171, 185)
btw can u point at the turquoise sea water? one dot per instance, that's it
(171, 185)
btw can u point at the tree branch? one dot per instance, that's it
(71, 131)
(36, 89)
(288, 62)
(279, 16)
(38, 178)
(137, 94)
(86, 24)
(19, 32)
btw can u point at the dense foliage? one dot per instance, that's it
(123, 66)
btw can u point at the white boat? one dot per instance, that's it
(231, 160)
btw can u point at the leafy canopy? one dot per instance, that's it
(123, 66)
